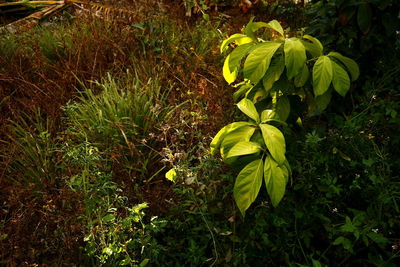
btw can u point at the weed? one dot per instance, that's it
(36, 164)
(122, 116)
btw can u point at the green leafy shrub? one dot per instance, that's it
(260, 145)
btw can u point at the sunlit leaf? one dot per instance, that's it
(238, 54)
(171, 175)
(295, 56)
(248, 108)
(269, 114)
(258, 61)
(235, 38)
(229, 76)
(219, 137)
(275, 142)
(273, 73)
(340, 80)
(275, 25)
(248, 184)
(275, 180)
(322, 75)
(241, 134)
(244, 148)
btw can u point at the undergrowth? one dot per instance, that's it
(93, 114)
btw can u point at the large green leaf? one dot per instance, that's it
(322, 75)
(244, 148)
(238, 38)
(258, 61)
(229, 76)
(364, 17)
(248, 108)
(295, 56)
(248, 184)
(219, 137)
(241, 134)
(275, 142)
(275, 178)
(340, 80)
(350, 64)
(254, 26)
(316, 42)
(275, 25)
(269, 114)
(301, 78)
(250, 29)
(238, 54)
(273, 73)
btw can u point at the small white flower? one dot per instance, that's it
(375, 230)
(334, 210)
(374, 97)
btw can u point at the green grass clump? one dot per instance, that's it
(35, 158)
(122, 120)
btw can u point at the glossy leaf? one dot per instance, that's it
(275, 180)
(229, 76)
(350, 64)
(238, 54)
(219, 137)
(258, 61)
(322, 75)
(340, 80)
(248, 184)
(241, 134)
(295, 56)
(244, 148)
(248, 108)
(275, 142)
(275, 25)
(273, 73)
(241, 38)
(269, 114)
